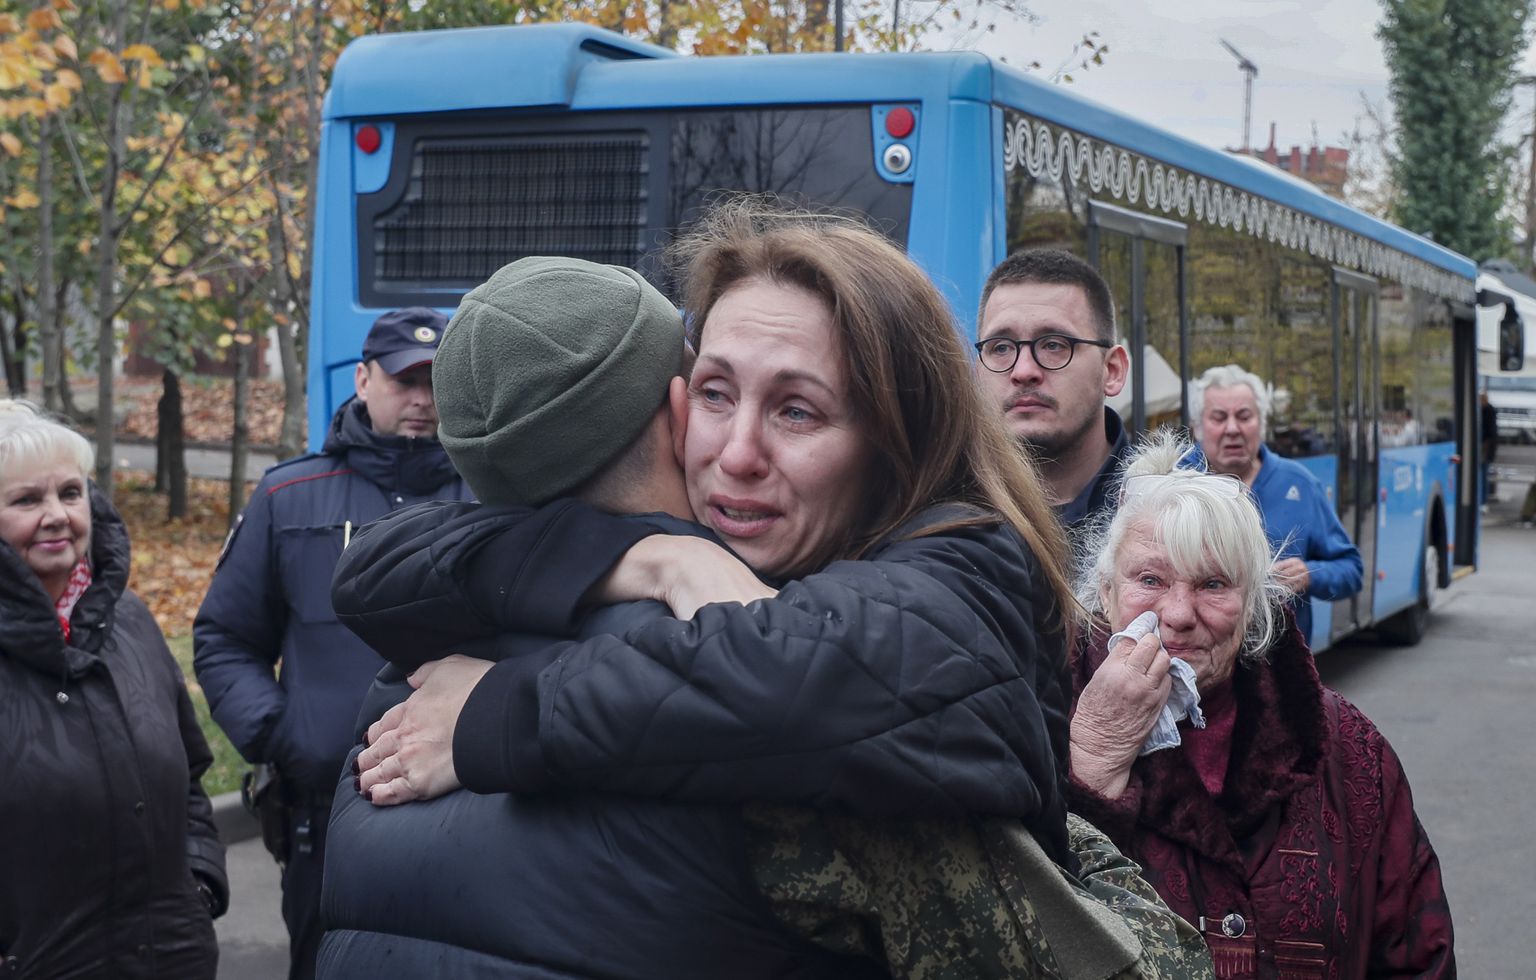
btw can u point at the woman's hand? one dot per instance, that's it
(410, 749)
(682, 571)
(1116, 712)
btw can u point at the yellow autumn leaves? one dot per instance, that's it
(39, 62)
(141, 59)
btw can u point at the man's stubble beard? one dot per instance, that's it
(1054, 447)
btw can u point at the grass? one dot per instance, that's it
(224, 774)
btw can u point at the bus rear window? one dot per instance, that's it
(467, 204)
(466, 196)
(817, 158)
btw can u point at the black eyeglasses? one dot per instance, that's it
(1052, 351)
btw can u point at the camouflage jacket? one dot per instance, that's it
(968, 898)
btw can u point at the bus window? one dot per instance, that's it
(465, 197)
(1044, 213)
(811, 157)
(1301, 352)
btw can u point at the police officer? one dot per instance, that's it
(270, 602)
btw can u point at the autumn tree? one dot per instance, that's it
(111, 85)
(41, 88)
(207, 255)
(1368, 185)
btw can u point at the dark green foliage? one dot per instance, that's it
(1453, 66)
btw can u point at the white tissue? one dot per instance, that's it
(1183, 699)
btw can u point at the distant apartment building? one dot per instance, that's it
(1327, 167)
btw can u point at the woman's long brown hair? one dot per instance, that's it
(932, 438)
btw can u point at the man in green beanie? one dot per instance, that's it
(548, 372)
(552, 388)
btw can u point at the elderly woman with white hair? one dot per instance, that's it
(110, 864)
(1275, 817)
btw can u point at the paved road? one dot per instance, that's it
(1458, 709)
(210, 463)
(253, 944)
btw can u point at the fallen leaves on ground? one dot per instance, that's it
(173, 561)
(208, 407)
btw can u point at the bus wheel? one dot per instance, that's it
(1408, 627)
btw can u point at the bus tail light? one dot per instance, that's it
(900, 122)
(373, 145)
(369, 139)
(895, 136)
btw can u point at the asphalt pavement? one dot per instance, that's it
(1458, 708)
(212, 464)
(253, 943)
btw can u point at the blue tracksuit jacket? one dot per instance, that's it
(1301, 522)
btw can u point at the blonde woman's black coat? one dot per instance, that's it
(105, 830)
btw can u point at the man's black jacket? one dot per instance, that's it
(550, 885)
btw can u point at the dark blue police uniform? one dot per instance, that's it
(270, 604)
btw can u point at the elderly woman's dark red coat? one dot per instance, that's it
(1312, 862)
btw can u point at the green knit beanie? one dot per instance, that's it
(547, 371)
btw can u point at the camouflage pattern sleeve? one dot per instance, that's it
(964, 898)
(1171, 947)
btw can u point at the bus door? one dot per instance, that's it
(1142, 258)
(1358, 382)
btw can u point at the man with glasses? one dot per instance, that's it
(1047, 355)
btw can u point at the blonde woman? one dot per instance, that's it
(111, 863)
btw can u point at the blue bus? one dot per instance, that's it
(446, 154)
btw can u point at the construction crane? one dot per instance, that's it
(1249, 70)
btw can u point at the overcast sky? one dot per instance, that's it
(1166, 65)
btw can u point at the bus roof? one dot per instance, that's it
(584, 68)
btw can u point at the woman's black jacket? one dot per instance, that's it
(926, 679)
(103, 820)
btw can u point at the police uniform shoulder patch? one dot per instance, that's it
(229, 539)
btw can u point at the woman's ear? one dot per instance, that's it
(677, 399)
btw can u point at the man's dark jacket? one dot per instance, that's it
(103, 819)
(554, 885)
(270, 599)
(1101, 496)
(927, 679)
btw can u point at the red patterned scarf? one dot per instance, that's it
(79, 581)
